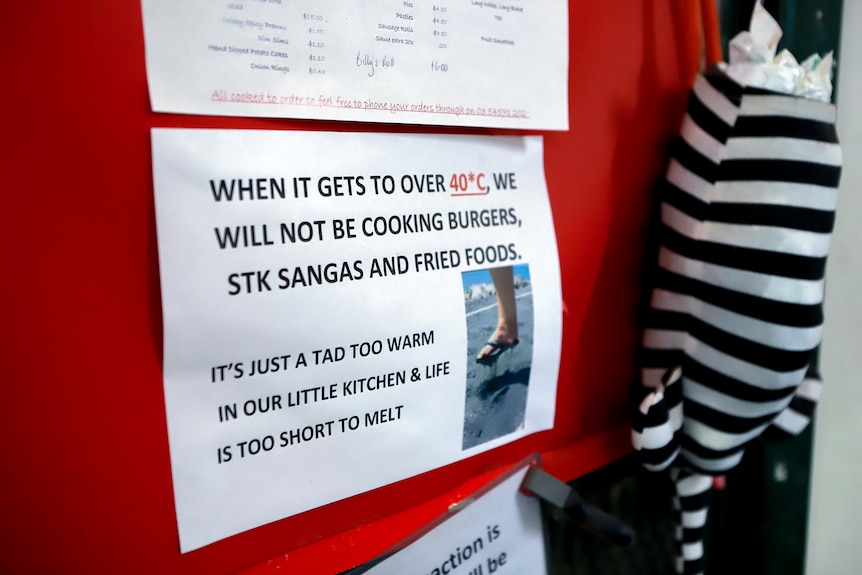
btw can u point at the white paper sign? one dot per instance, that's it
(500, 63)
(499, 533)
(325, 298)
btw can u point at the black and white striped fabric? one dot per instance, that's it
(690, 504)
(735, 315)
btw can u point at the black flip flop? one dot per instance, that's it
(497, 350)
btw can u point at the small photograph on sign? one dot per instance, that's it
(499, 312)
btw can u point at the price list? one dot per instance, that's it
(316, 31)
(384, 61)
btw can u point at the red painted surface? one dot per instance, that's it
(84, 468)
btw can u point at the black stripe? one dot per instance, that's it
(805, 219)
(657, 416)
(673, 394)
(794, 171)
(780, 360)
(639, 393)
(750, 259)
(803, 406)
(782, 313)
(784, 127)
(712, 379)
(682, 474)
(723, 421)
(695, 502)
(683, 201)
(707, 120)
(722, 82)
(660, 358)
(775, 433)
(693, 567)
(692, 534)
(693, 160)
(666, 320)
(755, 91)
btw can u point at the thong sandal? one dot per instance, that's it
(497, 350)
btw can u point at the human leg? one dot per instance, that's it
(505, 335)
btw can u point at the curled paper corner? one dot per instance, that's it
(754, 62)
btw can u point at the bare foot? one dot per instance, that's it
(501, 340)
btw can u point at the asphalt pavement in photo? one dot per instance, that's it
(496, 395)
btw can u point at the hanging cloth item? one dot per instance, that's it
(747, 207)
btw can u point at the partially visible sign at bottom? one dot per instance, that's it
(499, 533)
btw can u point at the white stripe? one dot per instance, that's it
(810, 389)
(663, 339)
(682, 223)
(713, 465)
(739, 407)
(769, 238)
(688, 181)
(778, 193)
(693, 485)
(654, 438)
(741, 370)
(676, 418)
(791, 421)
(694, 519)
(716, 439)
(700, 140)
(756, 105)
(651, 377)
(715, 101)
(692, 551)
(767, 333)
(767, 286)
(783, 149)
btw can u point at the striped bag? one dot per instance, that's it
(735, 315)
